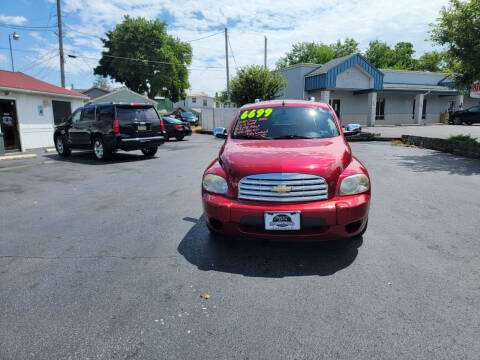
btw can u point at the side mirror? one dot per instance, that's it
(220, 132)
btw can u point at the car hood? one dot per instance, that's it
(323, 157)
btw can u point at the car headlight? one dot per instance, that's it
(354, 184)
(215, 184)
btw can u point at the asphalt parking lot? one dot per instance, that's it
(109, 260)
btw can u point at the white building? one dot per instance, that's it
(30, 108)
(361, 93)
(198, 100)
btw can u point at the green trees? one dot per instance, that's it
(458, 28)
(142, 55)
(255, 82)
(379, 53)
(317, 53)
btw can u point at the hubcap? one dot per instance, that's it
(98, 149)
(59, 145)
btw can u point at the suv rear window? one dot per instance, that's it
(286, 122)
(136, 113)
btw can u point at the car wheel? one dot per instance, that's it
(179, 138)
(166, 138)
(457, 121)
(100, 150)
(150, 151)
(469, 123)
(62, 148)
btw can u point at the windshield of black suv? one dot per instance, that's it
(187, 114)
(285, 122)
(136, 113)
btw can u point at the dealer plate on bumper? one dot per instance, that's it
(287, 220)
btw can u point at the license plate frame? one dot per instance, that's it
(142, 127)
(282, 220)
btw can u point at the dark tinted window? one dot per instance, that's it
(89, 114)
(105, 113)
(137, 113)
(172, 120)
(286, 122)
(187, 114)
(475, 109)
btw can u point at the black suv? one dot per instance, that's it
(107, 127)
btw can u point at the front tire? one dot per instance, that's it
(457, 121)
(100, 151)
(469, 123)
(150, 151)
(62, 148)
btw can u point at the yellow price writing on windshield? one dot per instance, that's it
(256, 113)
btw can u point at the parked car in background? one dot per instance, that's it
(286, 172)
(176, 128)
(468, 116)
(189, 117)
(105, 128)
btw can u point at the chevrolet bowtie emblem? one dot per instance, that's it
(282, 189)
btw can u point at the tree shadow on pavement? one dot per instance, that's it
(437, 161)
(257, 258)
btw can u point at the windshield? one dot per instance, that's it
(285, 123)
(187, 114)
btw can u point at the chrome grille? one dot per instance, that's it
(283, 187)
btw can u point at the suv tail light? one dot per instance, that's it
(116, 126)
(162, 124)
(178, 126)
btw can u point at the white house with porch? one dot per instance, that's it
(361, 93)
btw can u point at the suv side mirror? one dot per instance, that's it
(220, 132)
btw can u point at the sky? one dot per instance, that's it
(248, 22)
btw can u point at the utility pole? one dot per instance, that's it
(60, 43)
(265, 57)
(226, 62)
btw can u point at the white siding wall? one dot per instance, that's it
(36, 130)
(189, 104)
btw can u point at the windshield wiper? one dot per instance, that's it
(254, 137)
(292, 137)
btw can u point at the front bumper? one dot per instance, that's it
(328, 219)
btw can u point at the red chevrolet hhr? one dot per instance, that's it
(286, 172)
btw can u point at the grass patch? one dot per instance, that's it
(464, 138)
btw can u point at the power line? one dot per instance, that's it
(235, 61)
(204, 37)
(142, 60)
(33, 28)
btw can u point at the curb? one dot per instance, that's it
(18, 157)
(50, 150)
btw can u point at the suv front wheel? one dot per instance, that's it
(150, 151)
(61, 146)
(100, 150)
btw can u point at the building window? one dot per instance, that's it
(194, 100)
(380, 111)
(424, 109)
(204, 102)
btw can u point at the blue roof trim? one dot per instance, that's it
(329, 79)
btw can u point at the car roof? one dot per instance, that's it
(285, 102)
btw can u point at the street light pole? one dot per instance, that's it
(15, 37)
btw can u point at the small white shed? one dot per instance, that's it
(30, 109)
